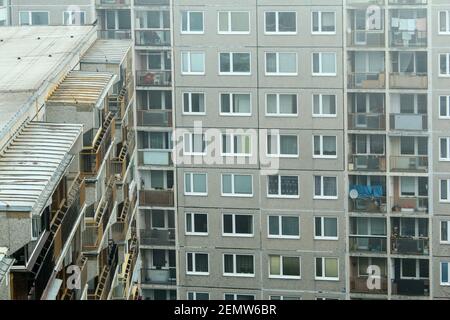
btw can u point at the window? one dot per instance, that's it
(236, 145)
(286, 227)
(284, 267)
(236, 296)
(444, 191)
(239, 265)
(196, 224)
(197, 263)
(324, 147)
(281, 22)
(193, 103)
(445, 231)
(194, 144)
(192, 22)
(235, 104)
(237, 185)
(195, 184)
(237, 22)
(325, 228)
(444, 63)
(279, 145)
(34, 18)
(287, 298)
(444, 107)
(323, 22)
(74, 17)
(444, 149)
(193, 63)
(192, 295)
(444, 274)
(327, 268)
(237, 225)
(414, 269)
(281, 104)
(281, 63)
(444, 22)
(324, 64)
(325, 187)
(282, 186)
(234, 63)
(324, 105)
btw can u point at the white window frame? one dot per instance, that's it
(447, 140)
(232, 72)
(277, 24)
(229, 31)
(193, 193)
(30, 17)
(278, 113)
(190, 72)
(231, 138)
(232, 113)
(322, 197)
(279, 195)
(320, 32)
(194, 295)
(321, 155)
(447, 99)
(278, 154)
(447, 58)
(70, 17)
(447, 20)
(190, 112)
(234, 274)
(324, 277)
(448, 232)
(278, 73)
(440, 273)
(188, 22)
(448, 191)
(280, 234)
(192, 218)
(196, 273)
(320, 73)
(323, 115)
(233, 218)
(190, 139)
(233, 194)
(322, 231)
(235, 295)
(281, 276)
(417, 276)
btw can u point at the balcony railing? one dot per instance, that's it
(113, 2)
(408, 2)
(409, 163)
(367, 80)
(411, 287)
(358, 284)
(105, 277)
(152, 2)
(148, 78)
(373, 244)
(367, 162)
(124, 34)
(153, 38)
(165, 276)
(409, 39)
(155, 158)
(367, 121)
(408, 81)
(154, 118)
(158, 237)
(156, 198)
(413, 246)
(410, 204)
(365, 38)
(368, 205)
(403, 121)
(121, 227)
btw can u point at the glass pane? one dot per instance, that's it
(289, 185)
(241, 103)
(287, 22)
(244, 264)
(200, 183)
(330, 227)
(240, 22)
(225, 63)
(288, 145)
(288, 63)
(273, 184)
(225, 103)
(241, 62)
(318, 227)
(271, 62)
(228, 223)
(201, 262)
(271, 103)
(275, 265)
(201, 223)
(244, 224)
(290, 226)
(288, 103)
(226, 183)
(270, 22)
(197, 62)
(274, 227)
(242, 184)
(291, 266)
(196, 21)
(223, 21)
(409, 268)
(228, 263)
(331, 267)
(329, 186)
(328, 63)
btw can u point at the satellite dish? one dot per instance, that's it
(353, 194)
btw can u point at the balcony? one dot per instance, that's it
(114, 34)
(410, 246)
(153, 38)
(408, 81)
(408, 2)
(155, 158)
(409, 163)
(93, 155)
(368, 244)
(411, 287)
(367, 80)
(125, 278)
(358, 284)
(367, 162)
(156, 198)
(121, 227)
(409, 39)
(157, 78)
(367, 121)
(154, 118)
(368, 205)
(105, 277)
(158, 237)
(155, 275)
(404, 121)
(410, 204)
(113, 3)
(364, 38)
(152, 2)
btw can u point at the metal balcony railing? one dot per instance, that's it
(367, 121)
(162, 275)
(153, 38)
(155, 157)
(404, 121)
(158, 237)
(367, 162)
(156, 198)
(367, 80)
(359, 284)
(368, 205)
(373, 244)
(408, 80)
(410, 246)
(409, 163)
(154, 78)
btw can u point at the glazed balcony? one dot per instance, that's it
(407, 122)
(358, 284)
(367, 162)
(153, 38)
(153, 78)
(407, 2)
(410, 246)
(409, 204)
(368, 244)
(155, 157)
(158, 237)
(113, 3)
(409, 163)
(409, 39)
(411, 287)
(367, 121)
(156, 198)
(159, 275)
(154, 118)
(367, 80)
(115, 34)
(366, 38)
(408, 80)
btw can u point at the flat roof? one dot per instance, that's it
(33, 163)
(107, 51)
(82, 88)
(30, 56)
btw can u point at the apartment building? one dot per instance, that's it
(68, 197)
(310, 151)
